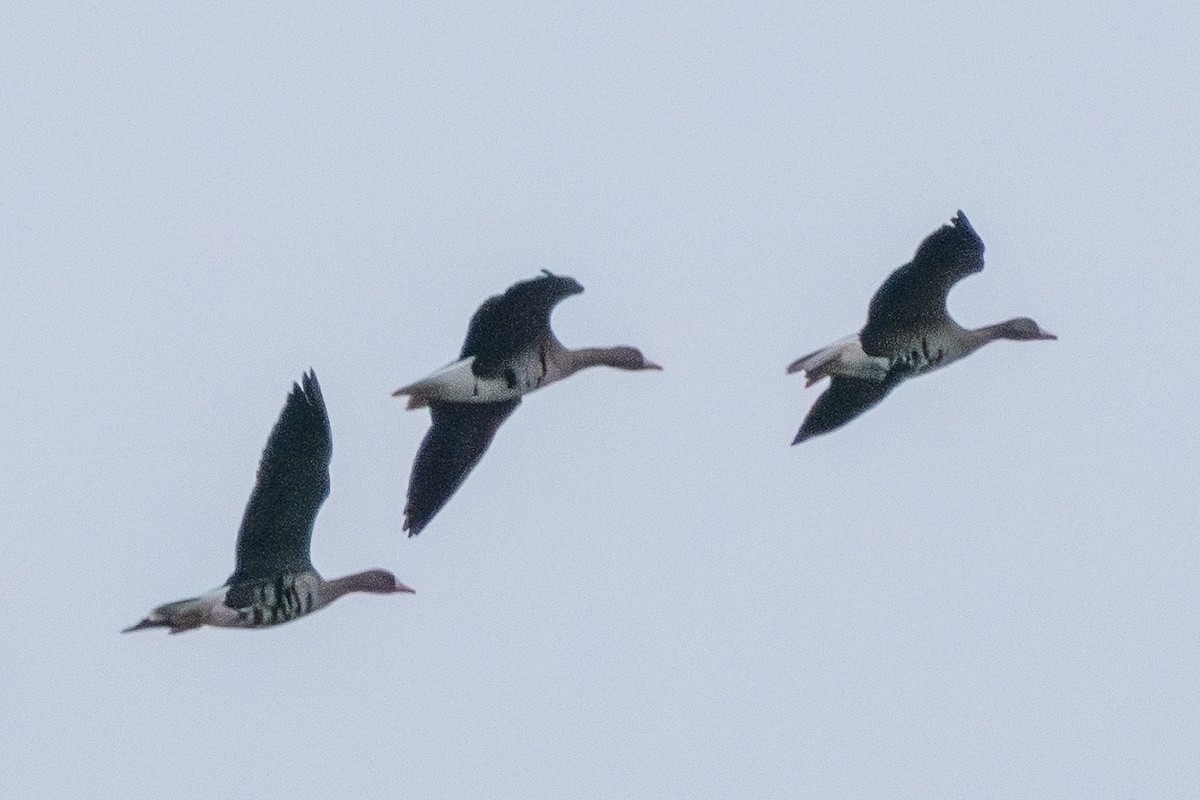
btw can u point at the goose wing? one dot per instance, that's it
(293, 481)
(510, 324)
(844, 400)
(457, 439)
(914, 296)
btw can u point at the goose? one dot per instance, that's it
(509, 352)
(273, 580)
(909, 332)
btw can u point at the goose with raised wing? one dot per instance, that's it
(509, 352)
(273, 579)
(909, 332)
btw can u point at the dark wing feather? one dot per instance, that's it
(457, 439)
(293, 481)
(509, 324)
(844, 400)
(914, 296)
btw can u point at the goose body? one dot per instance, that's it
(509, 351)
(274, 581)
(909, 332)
(459, 382)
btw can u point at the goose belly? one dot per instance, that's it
(923, 354)
(274, 602)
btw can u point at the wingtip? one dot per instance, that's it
(308, 387)
(573, 286)
(961, 221)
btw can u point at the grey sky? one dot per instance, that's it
(985, 587)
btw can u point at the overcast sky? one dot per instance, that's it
(985, 587)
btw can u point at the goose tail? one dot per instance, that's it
(824, 362)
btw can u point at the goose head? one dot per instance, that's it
(625, 357)
(379, 581)
(1022, 329)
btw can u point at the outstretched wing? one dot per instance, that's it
(509, 324)
(457, 439)
(844, 400)
(293, 481)
(914, 296)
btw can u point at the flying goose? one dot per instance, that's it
(909, 332)
(509, 351)
(273, 580)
